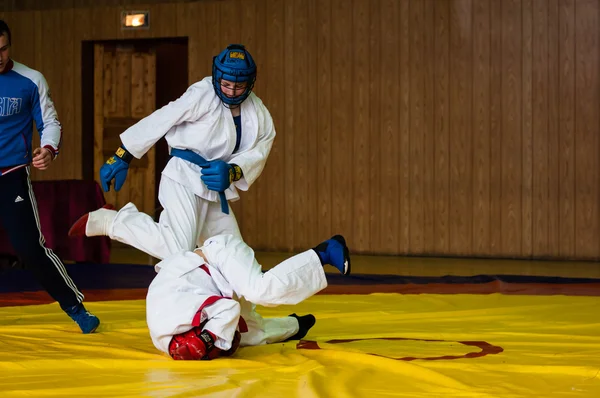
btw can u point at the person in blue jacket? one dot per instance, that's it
(25, 99)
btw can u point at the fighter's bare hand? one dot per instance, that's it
(42, 158)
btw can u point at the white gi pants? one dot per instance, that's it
(186, 219)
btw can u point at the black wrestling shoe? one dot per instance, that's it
(305, 322)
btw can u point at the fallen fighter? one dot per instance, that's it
(201, 304)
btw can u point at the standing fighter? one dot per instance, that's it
(201, 304)
(220, 134)
(25, 98)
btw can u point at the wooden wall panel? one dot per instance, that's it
(540, 127)
(495, 131)
(512, 149)
(302, 166)
(361, 145)
(343, 91)
(325, 101)
(272, 224)
(428, 163)
(481, 127)
(461, 92)
(392, 74)
(24, 5)
(397, 237)
(417, 61)
(566, 148)
(287, 167)
(423, 127)
(313, 130)
(526, 126)
(587, 128)
(441, 171)
(375, 241)
(554, 227)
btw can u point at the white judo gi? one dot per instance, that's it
(188, 291)
(197, 121)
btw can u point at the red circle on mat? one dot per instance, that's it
(485, 347)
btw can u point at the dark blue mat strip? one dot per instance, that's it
(129, 276)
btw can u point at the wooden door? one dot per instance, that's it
(124, 93)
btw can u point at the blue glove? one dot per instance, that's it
(115, 167)
(219, 175)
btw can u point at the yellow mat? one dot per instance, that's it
(478, 346)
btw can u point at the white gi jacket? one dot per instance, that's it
(199, 121)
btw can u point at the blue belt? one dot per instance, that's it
(193, 157)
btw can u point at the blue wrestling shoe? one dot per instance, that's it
(335, 252)
(86, 321)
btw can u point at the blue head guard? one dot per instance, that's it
(236, 65)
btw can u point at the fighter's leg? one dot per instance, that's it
(265, 330)
(272, 330)
(218, 223)
(290, 282)
(177, 229)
